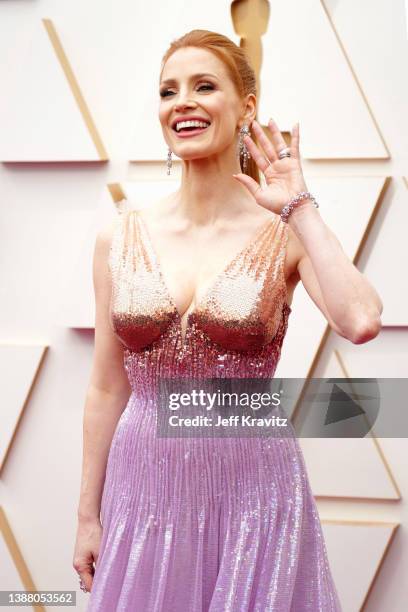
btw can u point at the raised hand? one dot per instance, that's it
(284, 177)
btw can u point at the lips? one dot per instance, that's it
(191, 132)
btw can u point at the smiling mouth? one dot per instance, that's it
(186, 132)
(190, 125)
(191, 128)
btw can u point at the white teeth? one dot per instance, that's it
(183, 124)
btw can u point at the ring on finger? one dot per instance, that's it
(285, 152)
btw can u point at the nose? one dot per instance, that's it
(183, 102)
(183, 105)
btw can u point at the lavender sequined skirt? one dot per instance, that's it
(207, 524)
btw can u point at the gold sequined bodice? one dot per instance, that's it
(237, 329)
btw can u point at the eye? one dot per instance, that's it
(208, 87)
(164, 93)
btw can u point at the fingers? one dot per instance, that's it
(87, 578)
(85, 573)
(272, 149)
(277, 138)
(294, 143)
(248, 182)
(264, 141)
(260, 160)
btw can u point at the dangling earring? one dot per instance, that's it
(242, 149)
(169, 160)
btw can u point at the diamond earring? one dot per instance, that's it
(169, 160)
(242, 149)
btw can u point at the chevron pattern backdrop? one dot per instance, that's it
(80, 139)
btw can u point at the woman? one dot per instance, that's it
(201, 285)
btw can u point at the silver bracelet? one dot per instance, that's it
(287, 209)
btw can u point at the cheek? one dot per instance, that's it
(163, 113)
(225, 116)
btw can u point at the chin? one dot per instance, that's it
(185, 156)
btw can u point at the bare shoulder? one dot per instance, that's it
(102, 246)
(106, 231)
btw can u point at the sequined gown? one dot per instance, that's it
(194, 525)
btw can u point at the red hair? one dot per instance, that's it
(235, 60)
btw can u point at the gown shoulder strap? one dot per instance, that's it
(270, 251)
(117, 241)
(282, 236)
(125, 238)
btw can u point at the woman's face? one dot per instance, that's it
(195, 83)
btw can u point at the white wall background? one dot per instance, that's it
(48, 211)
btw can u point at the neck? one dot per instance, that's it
(209, 193)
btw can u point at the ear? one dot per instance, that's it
(249, 109)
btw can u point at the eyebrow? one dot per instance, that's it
(193, 76)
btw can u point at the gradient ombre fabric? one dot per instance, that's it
(204, 524)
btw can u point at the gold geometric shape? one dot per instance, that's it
(22, 363)
(373, 437)
(356, 551)
(116, 191)
(306, 76)
(353, 468)
(354, 73)
(386, 264)
(14, 568)
(47, 118)
(250, 19)
(75, 88)
(348, 469)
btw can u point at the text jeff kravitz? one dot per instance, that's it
(231, 421)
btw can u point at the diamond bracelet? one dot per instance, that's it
(287, 209)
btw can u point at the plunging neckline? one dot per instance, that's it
(212, 285)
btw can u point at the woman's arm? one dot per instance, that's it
(108, 390)
(350, 304)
